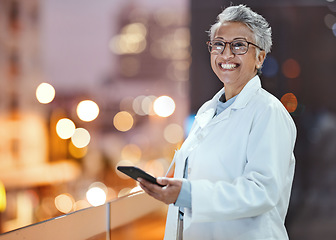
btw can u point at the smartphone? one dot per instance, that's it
(135, 173)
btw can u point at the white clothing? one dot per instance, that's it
(241, 168)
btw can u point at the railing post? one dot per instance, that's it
(108, 221)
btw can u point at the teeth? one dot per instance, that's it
(228, 66)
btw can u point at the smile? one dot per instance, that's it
(228, 66)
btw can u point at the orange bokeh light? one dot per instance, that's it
(291, 68)
(290, 102)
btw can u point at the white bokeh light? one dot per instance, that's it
(65, 128)
(81, 138)
(64, 202)
(45, 93)
(164, 106)
(96, 196)
(87, 110)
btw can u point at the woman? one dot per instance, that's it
(234, 172)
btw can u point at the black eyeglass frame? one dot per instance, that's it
(209, 43)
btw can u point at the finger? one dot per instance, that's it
(167, 181)
(150, 188)
(167, 194)
(162, 180)
(148, 191)
(144, 187)
(153, 187)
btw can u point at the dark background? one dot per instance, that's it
(299, 33)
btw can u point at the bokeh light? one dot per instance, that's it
(291, 68)
(123, 121)
(147, 105)
(99, 185)
(45, 93)
(173, 133)
(137, 105)
(96, 196)
(131, 152)
(64, 202)
(77, 152)
(81, 204)
(65, 128)
(3, 201)
(87, 110)
(164, 106)
(290, 102)
(143, 105)
(270, 67)
(81, 138)
(132, 39)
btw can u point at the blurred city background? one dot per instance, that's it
(86, 86)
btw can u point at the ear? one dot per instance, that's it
(260, 59)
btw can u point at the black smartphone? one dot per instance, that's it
(135, 173)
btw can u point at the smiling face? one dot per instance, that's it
(235, 70)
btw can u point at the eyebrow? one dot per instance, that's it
(232, 39)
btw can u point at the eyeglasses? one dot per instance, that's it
(238, 46)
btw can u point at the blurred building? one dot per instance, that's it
(146, 54)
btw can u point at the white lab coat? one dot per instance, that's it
(241, 167)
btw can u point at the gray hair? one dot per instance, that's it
(257, 23)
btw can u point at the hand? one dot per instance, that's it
(167, 194)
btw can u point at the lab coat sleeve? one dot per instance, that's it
(266, 176)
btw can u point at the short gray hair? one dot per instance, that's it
(257, 23)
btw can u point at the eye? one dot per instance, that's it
(239, 44)
(219, 44)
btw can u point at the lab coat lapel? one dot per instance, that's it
(204, 118)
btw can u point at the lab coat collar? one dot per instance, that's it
(206, 114)
(247, 92)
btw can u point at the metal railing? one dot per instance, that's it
(91, 223)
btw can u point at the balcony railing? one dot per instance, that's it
(113, 220)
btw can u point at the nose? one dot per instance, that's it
(227, 53)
